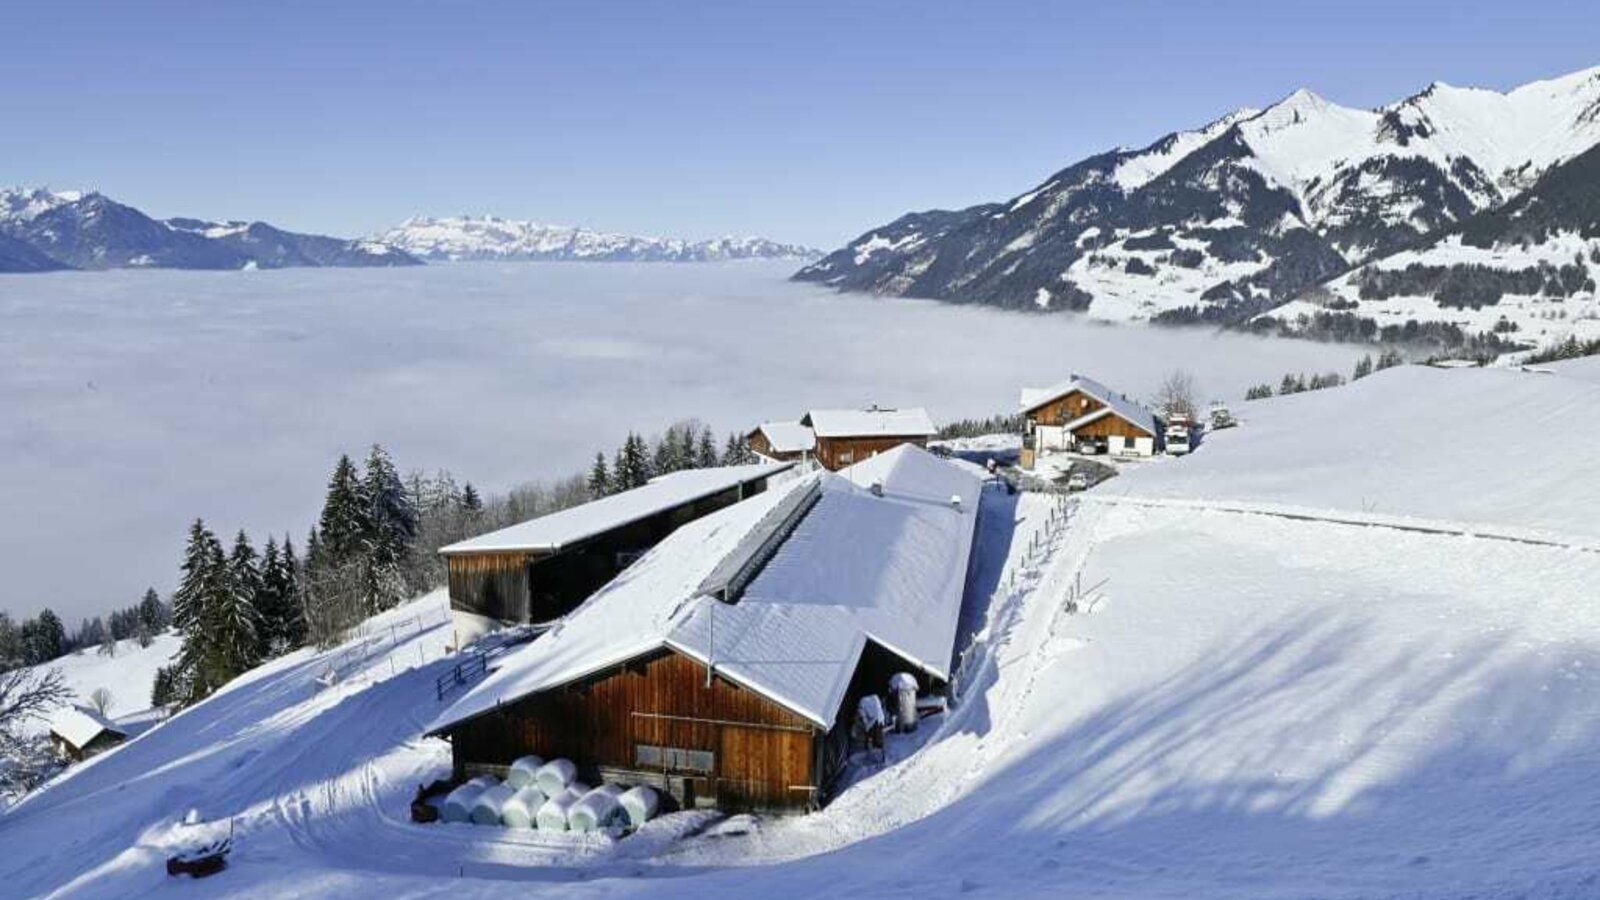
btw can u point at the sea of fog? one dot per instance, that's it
(135, 401)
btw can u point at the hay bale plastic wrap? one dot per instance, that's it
(458, 803)
(522, 810)
(640, 804)
(598, 810)
(555, 775)
(486, 809)
(552, 816)
(524, 771)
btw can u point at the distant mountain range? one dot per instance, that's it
(493, 238)
(1292, 218)
(43, 230)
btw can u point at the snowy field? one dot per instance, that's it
(1242, 705)
(135, 401)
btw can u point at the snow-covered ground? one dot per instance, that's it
(1239, 704)
(129, 675)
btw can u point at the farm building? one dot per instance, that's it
(845, 437)
(724, 668)
(1080, 411)
(79, 733)
(538, 570)
(782, 441)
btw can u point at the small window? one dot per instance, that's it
(673, 759)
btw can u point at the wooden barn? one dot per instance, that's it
(845, 437)
(782, 441)
(78, 733)
(1082, 413)
(725, 667)
(538, 570)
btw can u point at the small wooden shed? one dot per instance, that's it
(78, 732)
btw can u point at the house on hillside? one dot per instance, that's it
(1081, 412)
(539, 570)
(782, 441)
(78, 733)
(725, 667)
(848, 436)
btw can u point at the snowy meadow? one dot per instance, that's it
(135, 401)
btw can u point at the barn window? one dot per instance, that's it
(675, 759)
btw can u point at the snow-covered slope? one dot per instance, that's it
(129, 675)
(1223, 222)
(1191, 690)
(493, 238)
(87, 230)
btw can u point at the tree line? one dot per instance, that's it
(1295, 383)
(45, 637)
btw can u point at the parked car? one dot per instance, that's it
(1078, 481)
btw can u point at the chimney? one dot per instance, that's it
(876, 488)
(955, 502)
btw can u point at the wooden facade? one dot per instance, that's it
(654, 720)
(1071, 405)
(100, 743)
(834, 453)
(758, 443)
(1076, 404)
(538, 586)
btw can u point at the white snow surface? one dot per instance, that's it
(129, 675)
(833, 423)
(560, 529)
(1243, 706)
(859, 567)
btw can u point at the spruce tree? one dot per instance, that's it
(705, 456)
(343, 524)
(292, 623)
(51, 636)
(633, 464)
(470, 500)
(391, 530)
(10, 643)
(665, 456)
(193, 611)
(1363, 368)
(599, 477)
(152, 615)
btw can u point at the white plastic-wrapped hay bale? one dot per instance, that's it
(458, 803)
(522, 810)
(524, 771)
(554, 776)
(552, 816)
(486, 809)
(639, 804)
(597, 810)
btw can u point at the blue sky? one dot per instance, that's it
(806, 122)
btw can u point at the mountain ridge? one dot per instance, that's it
(1221, 223)
(478, 238)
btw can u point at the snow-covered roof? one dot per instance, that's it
(831, 423)
(858, 567)
(1121, 404)
(78, 726)
(788, 437)
(561, 529)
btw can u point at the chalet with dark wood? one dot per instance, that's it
(78, 733)
(1082, 413)
(726, 666)
(845, 437)
(541, 569)
(782, 441)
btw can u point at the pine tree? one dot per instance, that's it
(391, 529)
(1363, 368)
(470, 500)
(633, 464)
(599, 477)
(705, 456)
(292, 621)
(11, 653)
(192, 610)
(244, 567)
(50, 636)
(152, 612)
(665, 456)
(1388, 359)
(343, 524)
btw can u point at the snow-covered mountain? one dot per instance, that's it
(1520, 274)
(493, 238)
(87, 230)
(1224, 222)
